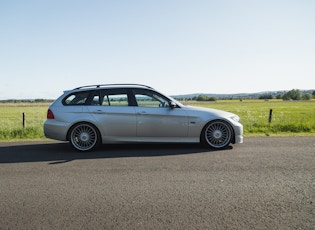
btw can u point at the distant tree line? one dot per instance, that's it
(293, 94)
(204, 98)
(27, 101)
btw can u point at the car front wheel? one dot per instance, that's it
(84, 137)
(217, 134)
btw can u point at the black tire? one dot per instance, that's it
(84, 137)
(217, 134)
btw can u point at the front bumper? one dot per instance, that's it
(238, 130)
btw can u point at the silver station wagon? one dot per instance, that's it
(123, 113)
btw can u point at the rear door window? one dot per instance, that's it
(115, 97)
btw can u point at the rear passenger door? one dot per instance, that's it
(114, 116)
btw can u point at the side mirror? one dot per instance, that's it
(173, 104)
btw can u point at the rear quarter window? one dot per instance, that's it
(78, 98)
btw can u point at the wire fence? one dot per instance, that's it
(22, 116)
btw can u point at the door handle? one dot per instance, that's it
(143, 113)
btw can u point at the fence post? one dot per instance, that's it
(24, 120)
(270, 116)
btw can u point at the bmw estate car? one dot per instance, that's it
(91, 115)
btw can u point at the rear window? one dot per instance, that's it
(78, 98)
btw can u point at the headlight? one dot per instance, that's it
(236, 118)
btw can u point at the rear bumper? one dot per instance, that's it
(55, 130)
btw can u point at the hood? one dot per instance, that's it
(209, 111)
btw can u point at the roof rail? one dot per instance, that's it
(99, 85)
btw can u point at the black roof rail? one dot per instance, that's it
(99, 85)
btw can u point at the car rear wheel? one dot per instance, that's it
(84, 137)
(217, 134)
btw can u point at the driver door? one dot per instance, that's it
(155, 117)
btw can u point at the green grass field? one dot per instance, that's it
(289, 117)
(11, 125)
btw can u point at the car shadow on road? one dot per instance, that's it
(60, 152)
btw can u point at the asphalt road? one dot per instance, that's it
(265, 183)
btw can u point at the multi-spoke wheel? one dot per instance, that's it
(217, 134)
(84, 137)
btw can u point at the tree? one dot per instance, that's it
(307, 96)
(212, 99)
(293, 94)
(202, 98)
(279, 96)
(266, 96)
(313, 93)
(205, 98)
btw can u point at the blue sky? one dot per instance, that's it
(177, 47)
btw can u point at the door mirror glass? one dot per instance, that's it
(173, 104)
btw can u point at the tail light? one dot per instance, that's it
(50, 114)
